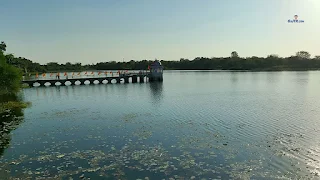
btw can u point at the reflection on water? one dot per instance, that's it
(234, 77)
(156, 89)
(10, 119)
(193, 125)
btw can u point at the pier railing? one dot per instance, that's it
(82, 77)
(83, 74)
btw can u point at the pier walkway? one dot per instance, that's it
(134, 77)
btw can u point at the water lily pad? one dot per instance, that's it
(60, 156)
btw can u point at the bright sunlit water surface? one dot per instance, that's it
(196, 124)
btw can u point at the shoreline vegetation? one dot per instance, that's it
(301, 61)
(11, 104)
(228, 70)
(11, 101)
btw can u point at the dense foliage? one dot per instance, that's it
(272, 62)
(301, 61)
(10, 84)
(10, 76)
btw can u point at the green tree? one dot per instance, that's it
(273, 56)
(53, 66)
(3, 46)
(10, 77)
(234, 54)
(10, 58)
(303, 55)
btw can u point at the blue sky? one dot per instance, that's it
(90, 31)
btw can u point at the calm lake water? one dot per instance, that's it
(194, 125)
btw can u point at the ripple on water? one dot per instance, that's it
(227, 125)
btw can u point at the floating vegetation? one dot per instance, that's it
(143, 134)
(120, 162)
(130, 117)
(67, 112)
(135, 147)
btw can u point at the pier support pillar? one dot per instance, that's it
(141, 79)
(52, 83)
(134, 79)
(126, 80)
(73, 82)
(63, 83)
(118, 80)
(41, 83)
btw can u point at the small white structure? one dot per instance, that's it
(156, 71)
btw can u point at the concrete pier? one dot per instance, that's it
(125, 78)
(134, 79)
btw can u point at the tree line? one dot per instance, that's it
(300, 61)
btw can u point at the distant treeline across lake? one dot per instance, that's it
(301, 61)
